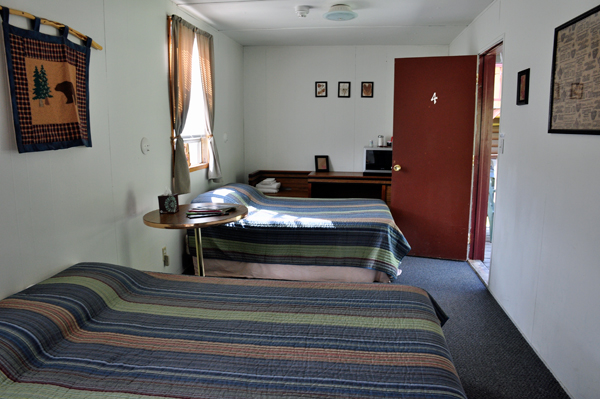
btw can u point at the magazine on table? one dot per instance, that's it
(209, 210)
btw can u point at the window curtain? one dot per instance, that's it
(204, 42)
(180, 68)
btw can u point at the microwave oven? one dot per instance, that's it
(377, 161)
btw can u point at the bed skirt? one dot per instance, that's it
(226, 268)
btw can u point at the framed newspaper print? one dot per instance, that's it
(575, 93)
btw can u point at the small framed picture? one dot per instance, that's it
(320, 89)
(366, 89)
(344, 89)
(576, 91)
(523, 87)
(322, 163)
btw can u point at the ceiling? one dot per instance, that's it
(379, 22)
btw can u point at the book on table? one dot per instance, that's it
(209, 210)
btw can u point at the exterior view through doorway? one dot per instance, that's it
(487, 147)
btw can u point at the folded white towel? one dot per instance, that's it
(267, 190)
(268, 180)
(274, 185)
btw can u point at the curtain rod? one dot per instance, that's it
(55, 25)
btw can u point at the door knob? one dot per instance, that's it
(397, 168)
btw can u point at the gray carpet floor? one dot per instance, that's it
(491, 356)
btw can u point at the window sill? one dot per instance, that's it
(198, 167)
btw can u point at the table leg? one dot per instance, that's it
(200, 258)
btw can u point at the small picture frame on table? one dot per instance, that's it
(366, 89)
(523, 87)
(322, 163)
(344, 89)
(320, 89)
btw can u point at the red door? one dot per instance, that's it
(434, 125)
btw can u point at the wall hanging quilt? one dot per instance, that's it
(48, 79)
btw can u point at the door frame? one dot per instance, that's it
(482, 151)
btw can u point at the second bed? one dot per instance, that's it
(302, 238)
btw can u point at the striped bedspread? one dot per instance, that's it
(103, 331)
(304, 231)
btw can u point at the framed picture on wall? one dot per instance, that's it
(366, 89)
(523, 87)
(573, 101)
(322, 163)
(344, 89)
(320, 89)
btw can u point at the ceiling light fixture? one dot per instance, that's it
(302, 11)
(340, 12)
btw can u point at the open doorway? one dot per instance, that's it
(485, 161)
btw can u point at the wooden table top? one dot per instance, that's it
(315, 177)
(180, 220)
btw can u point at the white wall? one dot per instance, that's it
(545, 268)
(285, 125)
(86, 204)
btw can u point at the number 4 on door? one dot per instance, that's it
(434, 98)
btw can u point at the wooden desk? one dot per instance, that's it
(180, 220)
(293, 182)
(349, 185)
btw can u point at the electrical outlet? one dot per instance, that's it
(145, 146)
(165, 257)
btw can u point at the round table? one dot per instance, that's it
(179, 220)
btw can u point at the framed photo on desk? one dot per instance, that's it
(322, 163)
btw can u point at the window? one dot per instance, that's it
(191, 87)
(194, 132)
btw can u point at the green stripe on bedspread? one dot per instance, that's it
(104, 331)
(304, 231)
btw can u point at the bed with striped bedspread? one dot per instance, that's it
(103, 331)
(352, 232)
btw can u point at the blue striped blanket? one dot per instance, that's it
(103, 331)
(304, 231)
